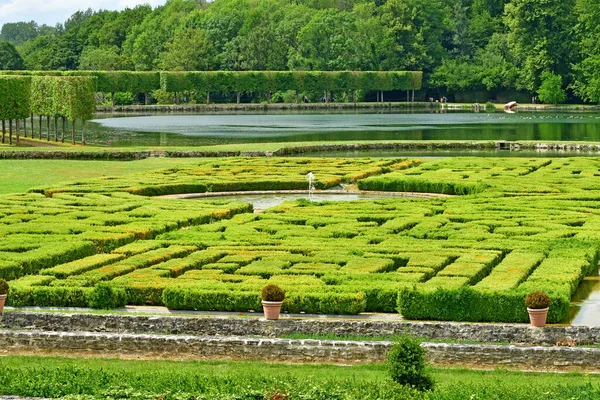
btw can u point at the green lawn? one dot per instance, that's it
(21, 175)
(55, 377)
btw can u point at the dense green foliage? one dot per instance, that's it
(91, 379)
(465, 258)
(10, 57)
(406, 364)
(470, 48)
(15, 100)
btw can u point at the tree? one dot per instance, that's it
(587, 72)
(540, 35)
(414, 30)
(19, 32)
(551, 90)
(189, 51)
(10, 57)
(104, 59)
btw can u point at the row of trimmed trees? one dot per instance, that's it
(245, 81)
(54, 97)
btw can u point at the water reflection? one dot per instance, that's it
(585, 304)
(196, 130)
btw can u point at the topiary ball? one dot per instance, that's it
(538, 300)
(3, 286)
(273, 293)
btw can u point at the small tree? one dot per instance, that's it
(406, 364)
(551, 90)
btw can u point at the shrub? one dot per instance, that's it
(273, 293)
(105, 296)
(406, 364)
(3, 287)
(538, 300)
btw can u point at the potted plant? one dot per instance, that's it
(3, 293)
(537, 307)
(272, 299)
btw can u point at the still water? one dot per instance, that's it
(200, 130)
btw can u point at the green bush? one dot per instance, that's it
(105, 296)
(406, 364)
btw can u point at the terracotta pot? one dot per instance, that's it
(272, 309)
(537, 316)
(2, 300)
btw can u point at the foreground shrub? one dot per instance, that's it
(406, 364)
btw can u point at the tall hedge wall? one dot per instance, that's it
(243, 81)
(14, 99)
(262, 81)
(68, 96)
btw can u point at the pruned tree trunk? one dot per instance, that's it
(32, 126)
(207, 97)
(297, 97)
(112, 99)
(17, 130)
(145, 98)
(407, 96)
(49, 127)
(382, 96)
(3, 130)
(64, 123)
(40, 118)
(10, 131)
(238, 97)
(25, 127)
(83, 132)
(268, 97)
(56, 129)
(413, 95)
(73, 132)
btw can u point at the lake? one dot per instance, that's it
(201, 130)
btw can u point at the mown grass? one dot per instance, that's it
(56, 376)
(21, 175)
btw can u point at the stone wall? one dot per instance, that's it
(236, 326)
(288, 350)
(189, 347)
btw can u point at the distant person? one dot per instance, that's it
(445, 99)
(185, 99)
(305, 99)
(533, 100)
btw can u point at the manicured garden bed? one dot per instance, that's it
(517, 225)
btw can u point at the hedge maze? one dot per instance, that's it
(515, 226)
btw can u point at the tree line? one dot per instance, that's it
(476, 46)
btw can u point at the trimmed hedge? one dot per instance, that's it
(470, 304)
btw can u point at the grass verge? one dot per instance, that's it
(110, 378)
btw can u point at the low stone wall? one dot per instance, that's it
(529, 358)
(190, 347)
(288, 350)
(255, 326)
(107, 154)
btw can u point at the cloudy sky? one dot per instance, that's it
(51, 12)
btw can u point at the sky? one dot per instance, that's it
(51, 12)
